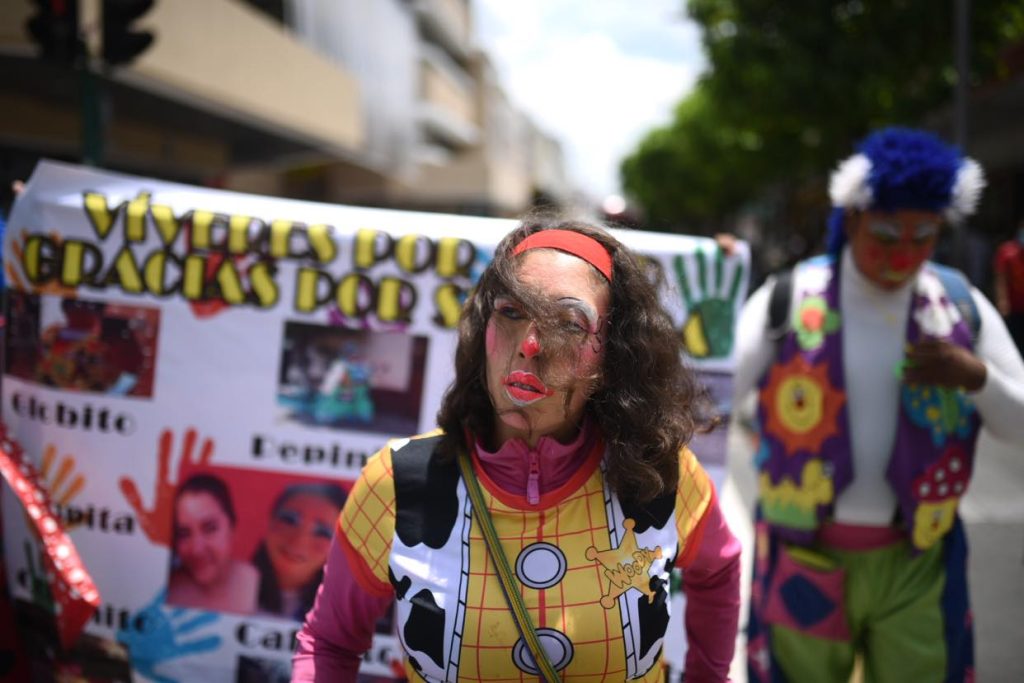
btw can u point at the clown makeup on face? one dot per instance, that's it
(299, 537)
(544, 357)
(889, 247)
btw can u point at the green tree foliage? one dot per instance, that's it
(790, 87)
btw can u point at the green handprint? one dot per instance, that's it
(708, 330)
(36, 580)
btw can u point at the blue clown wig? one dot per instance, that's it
(902, 168)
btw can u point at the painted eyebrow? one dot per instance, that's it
(506, 300)
(926, 229)
(879, 226)
(583, 307)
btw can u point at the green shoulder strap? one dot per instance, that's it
(507, 579)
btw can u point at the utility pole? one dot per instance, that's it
(94, 104)
(91, 37)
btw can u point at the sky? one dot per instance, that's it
(595, 74)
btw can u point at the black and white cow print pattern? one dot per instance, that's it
(644, 623)
(433, 519)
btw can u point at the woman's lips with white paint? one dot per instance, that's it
(524, 388)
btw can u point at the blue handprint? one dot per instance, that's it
(708, 330)
(155, 636)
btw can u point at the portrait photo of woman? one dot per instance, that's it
(291, 558)
(205, 574)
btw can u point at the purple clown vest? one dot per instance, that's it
(805, 459)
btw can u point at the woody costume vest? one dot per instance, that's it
(594, 569)
(805, 456)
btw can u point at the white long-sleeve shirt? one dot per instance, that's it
(874, 323)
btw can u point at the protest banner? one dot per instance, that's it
(199, 376)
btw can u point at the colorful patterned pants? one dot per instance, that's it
(813, 611)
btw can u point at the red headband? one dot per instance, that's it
(575, 243)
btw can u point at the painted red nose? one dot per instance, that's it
(531, 345)
(900, 261)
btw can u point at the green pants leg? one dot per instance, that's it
(893, 609)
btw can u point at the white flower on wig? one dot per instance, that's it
(970, 181)
(848, 188)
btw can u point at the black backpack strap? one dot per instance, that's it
(426, 505)
(778, 304)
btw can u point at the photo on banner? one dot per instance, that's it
(251, 542)
(351, 379)
(81, 344)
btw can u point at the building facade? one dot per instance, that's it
(384, 103)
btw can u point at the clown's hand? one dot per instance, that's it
(942, 364)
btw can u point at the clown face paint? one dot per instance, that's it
(890, 247)
(539, 380)
(298, 538)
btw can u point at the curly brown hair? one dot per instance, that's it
(646, 401)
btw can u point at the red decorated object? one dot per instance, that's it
(74, 594)
(945, 478)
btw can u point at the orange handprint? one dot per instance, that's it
(156, 522)
(60, 478)
(21, 282)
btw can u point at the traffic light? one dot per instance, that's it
(54, 28)
(121, 44)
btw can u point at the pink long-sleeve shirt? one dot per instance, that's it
(340, 626)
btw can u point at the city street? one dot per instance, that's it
(994, 513)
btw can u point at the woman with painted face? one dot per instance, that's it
(205, 574)
(291, 558)
(535, 532)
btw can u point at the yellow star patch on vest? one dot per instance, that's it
(626, 566)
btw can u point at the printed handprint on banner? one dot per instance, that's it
(228, 274)
(156, 521)
(20, 280)
(157, 635)
(35, 578)
(708, 330)
(70, 587)
(207, 308)
(57, 484)
(62, 486)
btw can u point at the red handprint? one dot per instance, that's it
(156, 522)
(211, 307)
